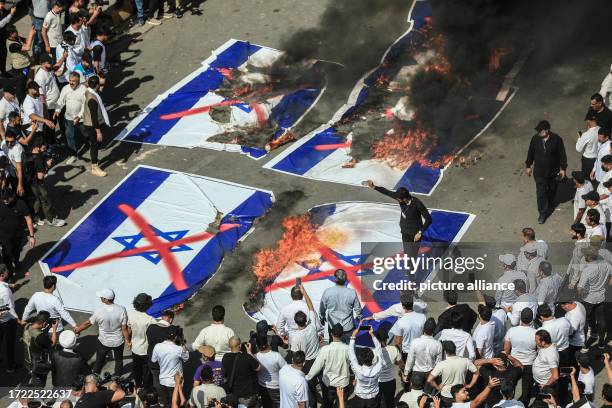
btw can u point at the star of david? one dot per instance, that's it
(131, 242)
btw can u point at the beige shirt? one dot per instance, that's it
(453, 371)
(139, 322)
(217, 336)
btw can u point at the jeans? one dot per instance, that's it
(140, 369)
(90, 133)
(42, 203)
(8, 333)
(102, 351)
(71, 135)
(546, 189)
(596, 319)
(139, 9)
(386, 393)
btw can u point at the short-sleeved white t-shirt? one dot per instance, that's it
(14, 154)
(32, 106)
(109, 319)
(483, 337)
(54, 23)
(546, 360)
(271, 362)
(293, 387)
(522, 339)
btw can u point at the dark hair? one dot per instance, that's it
(296, 293)
(300, 318)
(10, 134)
(430, 326)
(606, 392)
(59, 3)
(456, 320)
(455, 389)
(298, 357)
(507, 389)
(449, 347)
(593, 215)
(583, 359)
(526, 315)
(150, 396)
(42, 317)
(337, 330)
(489, 301)
(69, 37)
(86, 57)
(520, 286)
(597, 97)
(579, 229)
(206, 374)
(544, 311)
(75, 18)
(417, 381)
(3, 269)
(485, 312)
(10, 29)
(546, 268)
(365, 356)
(451, 297)
(49, 281)
(218, 313)
(168, 313)
(529, 233)
(93, 82)
(407, 303)
(142, 302)
(340, 276)
(382, 333)
(544, 336)
(13, 115)
(403, 193)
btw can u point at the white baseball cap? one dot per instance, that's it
(507, 259)
(67, 339)
(106, 294)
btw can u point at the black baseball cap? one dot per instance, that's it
(542, 125)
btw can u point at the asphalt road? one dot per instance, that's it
(494, 189)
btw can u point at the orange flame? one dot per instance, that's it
(495, 58)
(400, 150)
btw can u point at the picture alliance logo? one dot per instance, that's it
(411, 264)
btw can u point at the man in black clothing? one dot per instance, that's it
(92, 398)
(95, 118)
(12, 213)
(157, 333)
(66, 364)
(603, 115)
(413, 212)
(547, 156)
(468, 315)
(240, 368)
(505, 368)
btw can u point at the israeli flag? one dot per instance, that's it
(180, 118)
(151, 234)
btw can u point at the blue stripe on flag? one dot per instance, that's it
(151, 129)
(204, 265)
(96, 228)
(419, 179)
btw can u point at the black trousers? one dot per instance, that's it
(165, 395)
(411, 248)
(270, 398)
(8, 333)
(312, 384)
(586, 166)
(142, 374)
(596, 319)
(20, 85)
(572, 350)
(546, 189)
(11, 251)
(330, 398)
(358, 402)
(90, 135)
(527, 385)
(386, 394)
(154, 369)
(102, 351)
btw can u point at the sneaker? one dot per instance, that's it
(97, 171)
(168, 15)
(178, 14)
(56, 222)
(39, 221)
(154, 21)
(72, 159)
(140, 22)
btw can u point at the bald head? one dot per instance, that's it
(234, 343)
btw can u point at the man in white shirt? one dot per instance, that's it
(333, 359)
(8, 104)
(53, 26)
(12, 149)
(591, 287)
(170, 357)
(292, 383)
(216, 335)
(286, 321)
(578, 232)
(484, 333)
(271, 362)
(204, 394)
(112, 330)
(546, 364)
(594, 216)
(34, 110)
(417, 383)
(583, 186)
(559, 330)
(505, 298)
(462, 340)
(531, 264)
(397, 310)
(520, 344)
(575, 313)
(75, 27)
(8, 319)
(72, 97)
(47, 82)
(67, 57)
(453, 371)
(424, 352)
(48, 302)
(407, 328)
(306, 339)
(603, 149)
(587, 143)
(138, 323)
(549, 285)
(528, 236)
(367, 369)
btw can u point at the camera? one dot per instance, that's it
(5, 308)
(126, 385)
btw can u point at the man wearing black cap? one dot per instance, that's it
(601, 111)
(587, 143)
(8, 104)
(547, 156)
(582, 187)
(413, 212)
(603, 149)
(49, 89)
